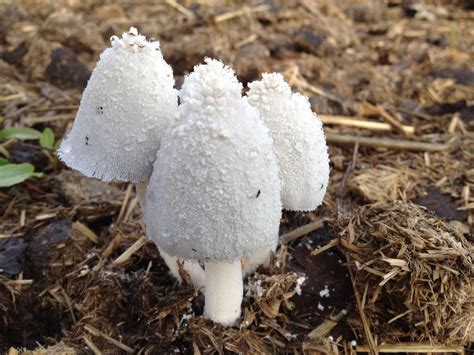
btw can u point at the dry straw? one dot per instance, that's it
(412, 273)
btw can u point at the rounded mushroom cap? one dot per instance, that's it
(128, 103)
(298, 141)
(216, 193)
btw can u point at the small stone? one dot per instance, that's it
(66, 70)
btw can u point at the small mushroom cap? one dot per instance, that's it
(216, 193)
(128, 103)
(298, 141)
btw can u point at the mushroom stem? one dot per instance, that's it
(192, 268)
(224, 291)
(261, 257)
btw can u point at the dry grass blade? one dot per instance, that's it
(243, 11)
(363, 317)
(325, 328)
(414, 348)
(90, 344)
(180, 8)
(325, 247)
(126, 199)
(301, 231)
(388, 143)
(360, 123)
(83, 229)
(126, 255)
(96, 332)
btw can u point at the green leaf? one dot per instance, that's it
(3, 161)
(47, 139)
(21, 133)
(57, 144)
(12, 174)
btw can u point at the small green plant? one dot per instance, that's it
(12, 174)
(21, 133)
(47, 139)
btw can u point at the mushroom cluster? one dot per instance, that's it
(212, 173)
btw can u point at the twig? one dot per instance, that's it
(96, 332)
(301, 231)
(17, 96)
(90, 344)
(415, 113)
(246, 40)
(18, 112)
(111, 246)
(128, 194)
(328, 246)
(174, 4)
(130, 251)
(359, 123)
(51, 118)
(55, 108)
(368, 334)
(85, 231)
(390, 119)
(400, 144)
(413, 348)
(349, 170)
(325, 328)
(244, 10)
(19, 282)
(69, 305)
(131, 208)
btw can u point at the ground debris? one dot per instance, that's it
(402, 84)
(399, 249)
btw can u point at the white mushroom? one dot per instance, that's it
(128, 103)
(299, 145)
(215, 194)
(298, 141)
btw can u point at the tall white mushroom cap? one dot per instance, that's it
(128, 103)
(215, 194)
(298, 141)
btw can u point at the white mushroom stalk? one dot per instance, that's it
(299, 145)
(128, 103)
(214, 195)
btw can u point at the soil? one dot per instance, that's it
(408, 64)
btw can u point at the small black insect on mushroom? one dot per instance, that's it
(322, 187)
(193, 249)
(258, 194)
(87, 140)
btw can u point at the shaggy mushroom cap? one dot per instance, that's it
(216, 194)
(128, 103)
(298, 141)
